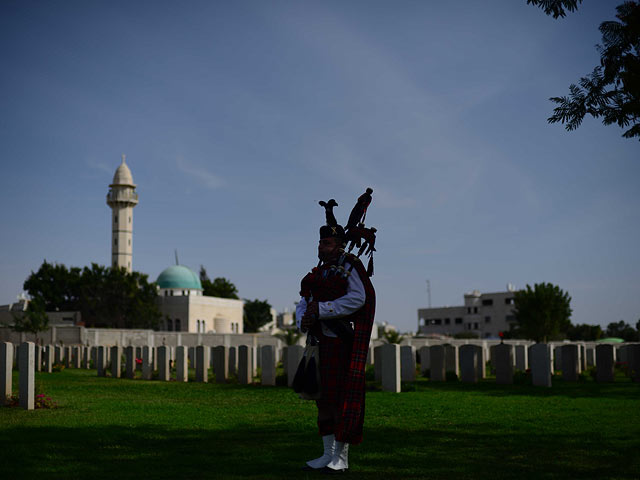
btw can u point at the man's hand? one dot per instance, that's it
(310, 316)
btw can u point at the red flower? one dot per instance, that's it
(501, 334)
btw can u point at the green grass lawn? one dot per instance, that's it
(118, 428)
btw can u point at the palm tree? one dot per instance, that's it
(289, 336)
(392, 336)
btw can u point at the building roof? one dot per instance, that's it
(179, 276)
(123, 175)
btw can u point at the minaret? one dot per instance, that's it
(122, 197)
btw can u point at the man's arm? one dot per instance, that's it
(347, 304)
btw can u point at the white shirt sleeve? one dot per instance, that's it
(347, 304)
(300, 309)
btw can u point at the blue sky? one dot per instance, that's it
(237, 117)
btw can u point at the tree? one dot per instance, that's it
(55, 285)
(256, 314)
(612, 90)
(33, 320)
(622, 330)
(289, 336)
(584, 332)
(556, 7)
(105, 297)
(392, 336)
(542, 312)
(219, 287)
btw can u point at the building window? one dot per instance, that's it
(475, 326)
(487, 303)
(421, 322)
(115, 219)
(436, 321)
(447, 321)
(468, 309)
(458, 321)
(509, 301)
(178, 325)
(115, 240)
(475, 309)
(166, 292)
(129, 242)
(129, 219)
(487, 319)
(169, 325)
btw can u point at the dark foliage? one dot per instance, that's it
(105, 297)
(556, 7)
(219, 287)
(612, 90)
(584, 332)
(256, 314)
(542, 312)
(623, 330)
(33, 320)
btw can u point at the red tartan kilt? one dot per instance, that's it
(335, 356)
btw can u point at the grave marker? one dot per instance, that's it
(27, 374)
(540, 364)
(6, 372)
(182, 365)
(391, 367)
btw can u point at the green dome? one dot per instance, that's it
(178, 276)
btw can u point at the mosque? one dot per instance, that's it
(183, 306)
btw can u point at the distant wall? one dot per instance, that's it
(76, 335)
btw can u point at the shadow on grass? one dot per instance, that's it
(146, 451)
(622, 389)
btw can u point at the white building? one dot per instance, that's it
(185, 309)
(485, 314)
(122, 197)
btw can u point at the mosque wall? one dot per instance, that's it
(201, 314)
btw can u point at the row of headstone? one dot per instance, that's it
(26, 373)
(467, 362)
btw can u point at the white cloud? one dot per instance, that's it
(202, 175)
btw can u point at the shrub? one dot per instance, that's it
(522, 378)
(451, 376)
(57, 367)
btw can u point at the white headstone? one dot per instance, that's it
(522, 359)
(164, 373)
(245, 370)
(436, 355)
(503, 356)
(469, 363)
(130, 362)
(48, 358)
(570, 362)
(377, 363)
(268, 364)
(220, 363)
(147, 363)
(540, 364)
(407, 363)
(102, 361)
(6, 369)
(605, 362)
(27, 375)
(116, 361)
(391, 368)
(233, 360)
(424, 359)
(182, 368)
(202, 363)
